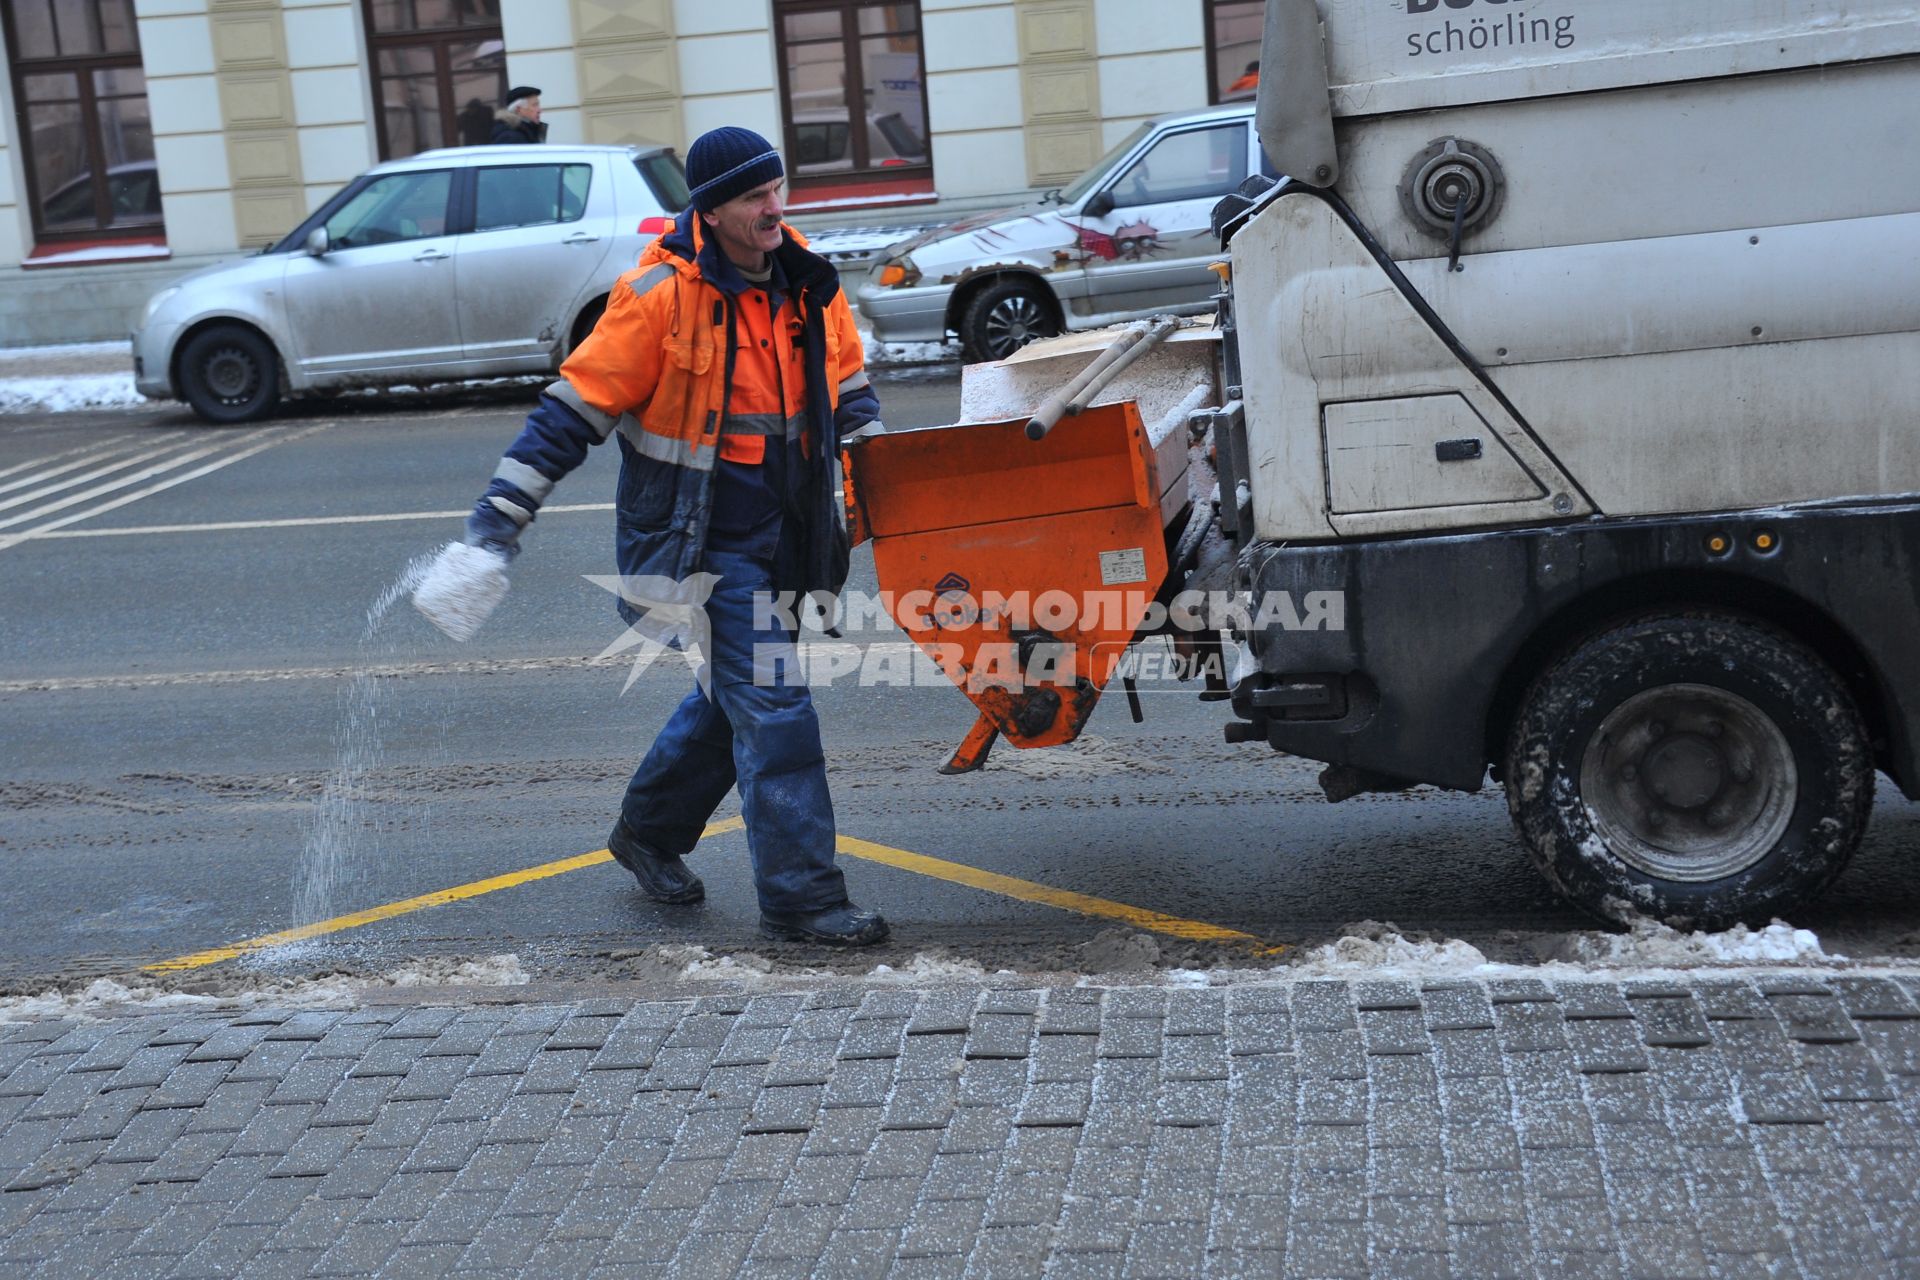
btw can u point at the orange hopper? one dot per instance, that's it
(1023, 567)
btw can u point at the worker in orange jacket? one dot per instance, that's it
(728, 366)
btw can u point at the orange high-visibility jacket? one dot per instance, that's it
(660, 356)
(685, 371)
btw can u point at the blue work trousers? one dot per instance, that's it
(753, 727)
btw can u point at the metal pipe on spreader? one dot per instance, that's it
(1106, 366)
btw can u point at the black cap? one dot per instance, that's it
(519, 92)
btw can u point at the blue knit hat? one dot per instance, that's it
(722, 163)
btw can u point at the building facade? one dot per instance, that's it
(144, 138)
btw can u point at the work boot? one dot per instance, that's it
(662, 876)
(843, 926)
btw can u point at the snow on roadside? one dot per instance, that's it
(488, 971)
(105, 998)
(1374, 949)
(1651, 943)
(68, 394)
(928, 970)
(1367, 950)
(881, 354)
(117, 349)
(861, 240)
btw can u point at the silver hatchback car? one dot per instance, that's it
(1131, 236)
(461, 263)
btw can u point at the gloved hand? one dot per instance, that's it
(461, 587)
(866, 431)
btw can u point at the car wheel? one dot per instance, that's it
(589, 317)
(1698, 769)
(229, 374)
(1004, 317)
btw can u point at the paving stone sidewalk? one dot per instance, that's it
(1720, 1127)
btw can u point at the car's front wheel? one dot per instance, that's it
(583, 327)
(229, 374)
(1005, 316)
(1699, 769)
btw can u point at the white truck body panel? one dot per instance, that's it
(1388, 56)
(1333, 331)
(1700, 290)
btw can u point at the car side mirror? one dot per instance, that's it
(318, 242)
(1098, 205)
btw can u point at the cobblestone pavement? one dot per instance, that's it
(1720, 1127)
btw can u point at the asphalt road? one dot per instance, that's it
(208, 735)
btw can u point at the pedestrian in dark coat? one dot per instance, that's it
(519, 119)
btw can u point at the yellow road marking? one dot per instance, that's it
(867, 850)
(1046, 895)
(440, 897)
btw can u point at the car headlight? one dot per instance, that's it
(156, 302)
(900, 273)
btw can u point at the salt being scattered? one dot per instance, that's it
(460, 588)
(336, 839)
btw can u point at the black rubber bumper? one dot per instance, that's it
(1407, 657)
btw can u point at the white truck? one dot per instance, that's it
(1579, 360)
(1583, 354)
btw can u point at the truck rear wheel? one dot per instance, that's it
(1699, 769)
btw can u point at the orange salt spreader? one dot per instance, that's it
(1023, 550)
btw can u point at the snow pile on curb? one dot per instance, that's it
(881, 354)
(926, 969)
(105, 998)
(109, 998)
(1373, 948)
(1651, 943)
(744, 967)
(67, 377)
(860, 242)
(66, 395)
(488, 971)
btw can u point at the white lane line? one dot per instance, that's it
(177, 459)
(303, 522)
(91, 452)
(281, 437)
(117, 464)
(671, 663)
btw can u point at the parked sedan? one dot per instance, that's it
(1130, 237)
(462, 263)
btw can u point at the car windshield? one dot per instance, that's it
(1091, 178)
(665, 178)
